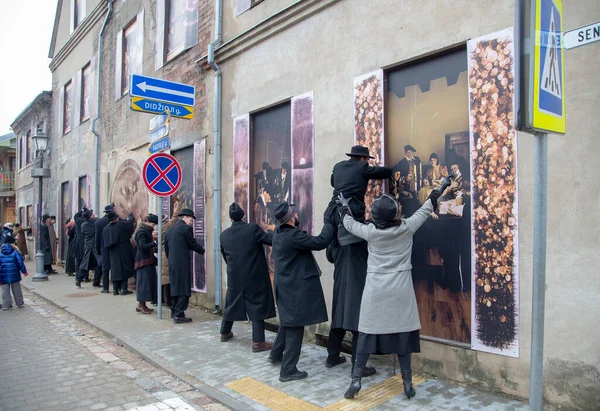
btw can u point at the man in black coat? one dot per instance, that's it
(179, 241)
(78, 242)
(298, 290)
(117, 244)
(409, 168)
(88, 262)
(349, 253)
(46, 245)
(249, 291)
(103, 258)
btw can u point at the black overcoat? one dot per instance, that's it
(249, 290)
(179, 241)
(46, 244)
(298, 290)
(88, 229)
(349, 276)
(104, 258)
(145, 264)
(351, 177)
(70, 261)
(78, 243)
(117, 242)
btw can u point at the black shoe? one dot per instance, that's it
(369, 371)
(336, 361)
(298, 375)
(126, 292)
(172, 315)
(78, 284)
(355, 386)
(96, 286)
(105, 292)
(182, 320)
(409, 391)
(115, 292)
(273, 360)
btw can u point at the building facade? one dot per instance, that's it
(302, 81)
(8, 170)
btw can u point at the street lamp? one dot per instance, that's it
(40, 139)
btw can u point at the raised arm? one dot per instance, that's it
(419, 217)
(377, 172)
(359, 229)
(192, 243)
(304, 241)
(261, 236)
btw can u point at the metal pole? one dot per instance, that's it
(540, 185)
(159, 268)
(40, 274)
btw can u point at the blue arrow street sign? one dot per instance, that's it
(162, 90)
(159, 133)
(159, 145)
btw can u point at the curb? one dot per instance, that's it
(156, 361)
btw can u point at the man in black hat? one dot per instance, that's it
(179, 241)
(102, 257)
(46, 244)
(117, 244)
(349, 253)
(298, 290)
(410, 170)
(249, 291)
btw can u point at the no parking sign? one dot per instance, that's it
(162, 174)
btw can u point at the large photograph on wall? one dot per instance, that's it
(369, 126)
(427, 123)
(493, 139)
(128, 191)
(199, 268)
(241, 162)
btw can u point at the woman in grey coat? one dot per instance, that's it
(389, 319)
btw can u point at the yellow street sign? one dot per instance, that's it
(159, 107)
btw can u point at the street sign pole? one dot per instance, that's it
(159, 268)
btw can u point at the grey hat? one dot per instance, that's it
(385, 209)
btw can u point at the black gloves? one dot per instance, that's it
(344, 206)
(435, 194)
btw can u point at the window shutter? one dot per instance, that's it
(76, 98)
(191, 24)
(139, 43)
(93, 96)
(61, 110)
(159, 57)
(241, 6)
(119, 65)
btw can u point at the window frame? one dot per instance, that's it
(181, 47)
(78, 14)
(28, 156)
(83, 116)
(128, 30)
(67, 117)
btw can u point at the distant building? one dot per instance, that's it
(8, 167)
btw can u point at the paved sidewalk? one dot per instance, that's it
(232, 374)
(52, 361)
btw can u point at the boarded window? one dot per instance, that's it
(176, 28)
(67, 106)
(130, 52)
(86, 91)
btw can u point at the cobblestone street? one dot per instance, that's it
(51, 361)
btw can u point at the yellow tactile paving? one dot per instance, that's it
(280, 401)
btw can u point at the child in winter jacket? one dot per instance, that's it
(11, 267)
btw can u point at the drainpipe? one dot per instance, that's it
(217, 136)
(98, 110)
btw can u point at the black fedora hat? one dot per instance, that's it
(359, 151)
(409, 147)
(186, 212)
(284, 212)
(109, 208)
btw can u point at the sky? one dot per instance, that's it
(25, 32)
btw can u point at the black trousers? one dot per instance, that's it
(48, 268)
(81, 275)
(258, 329)
(119, 285)
(105, 281)
(97, 275)
(405, 361)
(287, 346)
(178, 305)
(334, 344)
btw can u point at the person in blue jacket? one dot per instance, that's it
(11, 267)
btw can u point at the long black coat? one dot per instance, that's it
(298, 290)
(104, 258)
(117, 243)
(349, 276)
(145, 264)
(46, 244)
(78, 243)
(249, 290)
(179, 241)
(88, 229)
(351, 177)
(70, 261)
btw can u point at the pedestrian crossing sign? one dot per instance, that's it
(548, 111)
